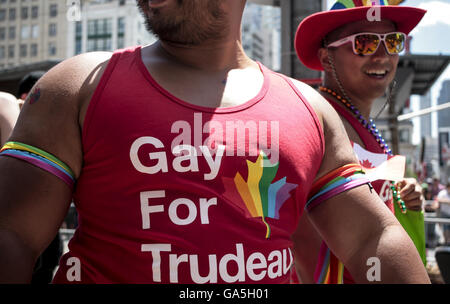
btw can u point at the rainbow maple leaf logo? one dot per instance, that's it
(258, 196)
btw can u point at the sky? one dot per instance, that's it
(431, 37)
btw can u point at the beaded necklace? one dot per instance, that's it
(372, 128)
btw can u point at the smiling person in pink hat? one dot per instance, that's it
(357, 45)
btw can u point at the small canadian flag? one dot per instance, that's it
(379, 165)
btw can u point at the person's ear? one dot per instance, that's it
(324, 59)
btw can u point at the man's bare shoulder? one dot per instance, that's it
(76, 74)
(338, 150)
(7, 100)
(53, 112)
(68, 86)
(317, 102)
(86, 60)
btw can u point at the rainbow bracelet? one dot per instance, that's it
(336, 182)
(341, 172)
(40, 159)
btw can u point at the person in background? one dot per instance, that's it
(443, 199)
(431, 206)
(436, 187)
(26, 84)
(9, 112)
(359, 58)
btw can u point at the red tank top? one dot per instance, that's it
(176, 193)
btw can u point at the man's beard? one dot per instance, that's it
(191, 23)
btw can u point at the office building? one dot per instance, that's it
(261, 34)
(32, 31)
(106, 25)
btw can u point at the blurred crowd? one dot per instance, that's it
(437, 196)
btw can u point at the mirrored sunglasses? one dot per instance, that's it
(368, 43)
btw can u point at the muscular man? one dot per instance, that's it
(359, 57)
(192, 164)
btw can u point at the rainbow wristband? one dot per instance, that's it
(40, 159)
(24, 147)
(342, 172)
(336, 182)
(347, 186)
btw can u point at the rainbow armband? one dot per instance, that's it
(41, 159)
(339, 180)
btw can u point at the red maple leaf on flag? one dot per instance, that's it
(367, 164)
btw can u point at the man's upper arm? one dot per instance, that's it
(9, 111)
(33, 202)
(338, 150)
(348, 220)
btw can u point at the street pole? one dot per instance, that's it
(424, 111)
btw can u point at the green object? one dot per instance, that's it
(414, 224)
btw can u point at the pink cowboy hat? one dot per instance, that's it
(312, 30)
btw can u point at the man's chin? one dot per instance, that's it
(376, 92)
(377, 87)
(178, 39)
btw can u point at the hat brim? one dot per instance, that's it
(312, 30)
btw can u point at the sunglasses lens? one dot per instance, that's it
(395, 43)
(366, 44)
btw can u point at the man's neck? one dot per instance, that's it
(363, 104)
(210, 56)
(209, 76)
